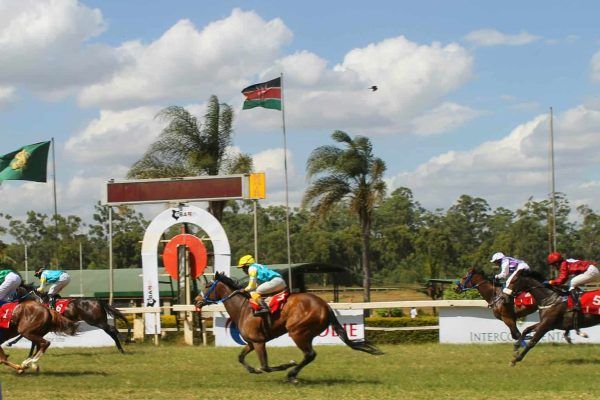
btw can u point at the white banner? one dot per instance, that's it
(478, 325)
(88, 336)
(227, 334)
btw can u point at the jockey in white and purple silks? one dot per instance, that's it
(508, 267)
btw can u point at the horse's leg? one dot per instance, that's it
(15, 340)
(567, 336)
(540, 330)
(511, 322)
(521, 339)
(113, 333)
(304, 344)
(42, 345)
(242, 358)
(4, 360)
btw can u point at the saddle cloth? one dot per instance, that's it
(6, 312)
(275, 302)
(61, 305)
(524, 299)
(590, 302)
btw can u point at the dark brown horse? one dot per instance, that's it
(94, 312)
(32, 320)
(554, 313)
(303, 317)
(475, 279)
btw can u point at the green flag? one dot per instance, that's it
(26, 164)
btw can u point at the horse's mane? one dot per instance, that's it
(232, 283)
(481, 272)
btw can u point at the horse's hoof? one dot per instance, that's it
(35, 368)
(512, 363)
(293, 362)
(293, 381)
(20, 371)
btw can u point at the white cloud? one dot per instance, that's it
(492, 37)
(6, 94)
(119, 137)
(271, 162)
(508, 171)
(445, 117)
(411, 78)
(185, 62)
(44, 46)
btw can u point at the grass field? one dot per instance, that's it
(429, 372)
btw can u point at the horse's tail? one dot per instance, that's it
(116, 314)
(62, 324)
(362, 345)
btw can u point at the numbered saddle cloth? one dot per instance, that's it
(61, 305)
(275, 302)
(524, 299)
(6, 312)
(590, 302)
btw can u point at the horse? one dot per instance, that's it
(92, 311)
(32, 320)
(303, 317)
(554, 312)
(475, 279)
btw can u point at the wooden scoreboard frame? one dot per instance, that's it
(186, 189)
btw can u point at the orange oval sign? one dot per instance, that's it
(198, 258)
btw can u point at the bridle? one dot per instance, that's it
(207, 301)
(467, 280)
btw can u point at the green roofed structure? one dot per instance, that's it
(128, 281)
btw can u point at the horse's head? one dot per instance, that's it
(471, 280)
(28, 291)
(220, 289)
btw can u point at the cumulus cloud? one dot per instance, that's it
(492, 37)
(412, 79)
(595, 67)
(44, 46)
(186, 61)
(508, 171)
(6, 94)
(445, 117)
(271, 162)
(119, 137)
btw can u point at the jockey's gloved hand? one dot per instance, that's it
(546, 283)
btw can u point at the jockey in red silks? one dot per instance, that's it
(582, 271)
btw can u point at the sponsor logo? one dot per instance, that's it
(151, 301)
(176, 214)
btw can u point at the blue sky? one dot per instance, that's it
(464, 94)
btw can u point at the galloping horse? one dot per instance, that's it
(32, 320)
(94, 312)
(475, 279)
(304, 316)
(554, 312)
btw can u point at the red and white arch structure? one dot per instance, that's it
(181, 190)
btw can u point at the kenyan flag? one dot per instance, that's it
(266, 94)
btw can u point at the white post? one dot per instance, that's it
(287, 202)
(110, 257)
(26, 266)
(80, 270)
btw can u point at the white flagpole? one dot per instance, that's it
(54, 195)
(287, 203)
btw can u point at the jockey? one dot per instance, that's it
(263, 281)
(582, 271)
(9, 282)
(508, 268)
(58, 280)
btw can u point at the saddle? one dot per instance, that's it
(524, 299)
(275, 302)
(6, 313)
(60, 305)
(589, 301)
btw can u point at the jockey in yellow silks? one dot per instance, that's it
(263, 281)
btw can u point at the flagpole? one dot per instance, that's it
(553, 189)
(54, 195)
(287, 202)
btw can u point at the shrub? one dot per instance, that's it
(385, 337)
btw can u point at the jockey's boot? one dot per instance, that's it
(264, 309)
(52, 301)
(575, 296)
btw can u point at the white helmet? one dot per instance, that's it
(497, 256)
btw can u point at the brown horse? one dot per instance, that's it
(554, 313)
(303, 317)
(33, 320)
(475, 279)
(92, 311)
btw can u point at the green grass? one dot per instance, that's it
(428, 371)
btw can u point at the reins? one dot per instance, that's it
(206, 300)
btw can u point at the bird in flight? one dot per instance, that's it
(374, 88)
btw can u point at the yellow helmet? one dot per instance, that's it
(245, 260)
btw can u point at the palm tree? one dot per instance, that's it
(351, 175)
(187, 148)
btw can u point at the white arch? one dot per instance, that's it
(162, 222)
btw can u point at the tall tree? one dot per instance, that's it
(351, 174)
(186, 147)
